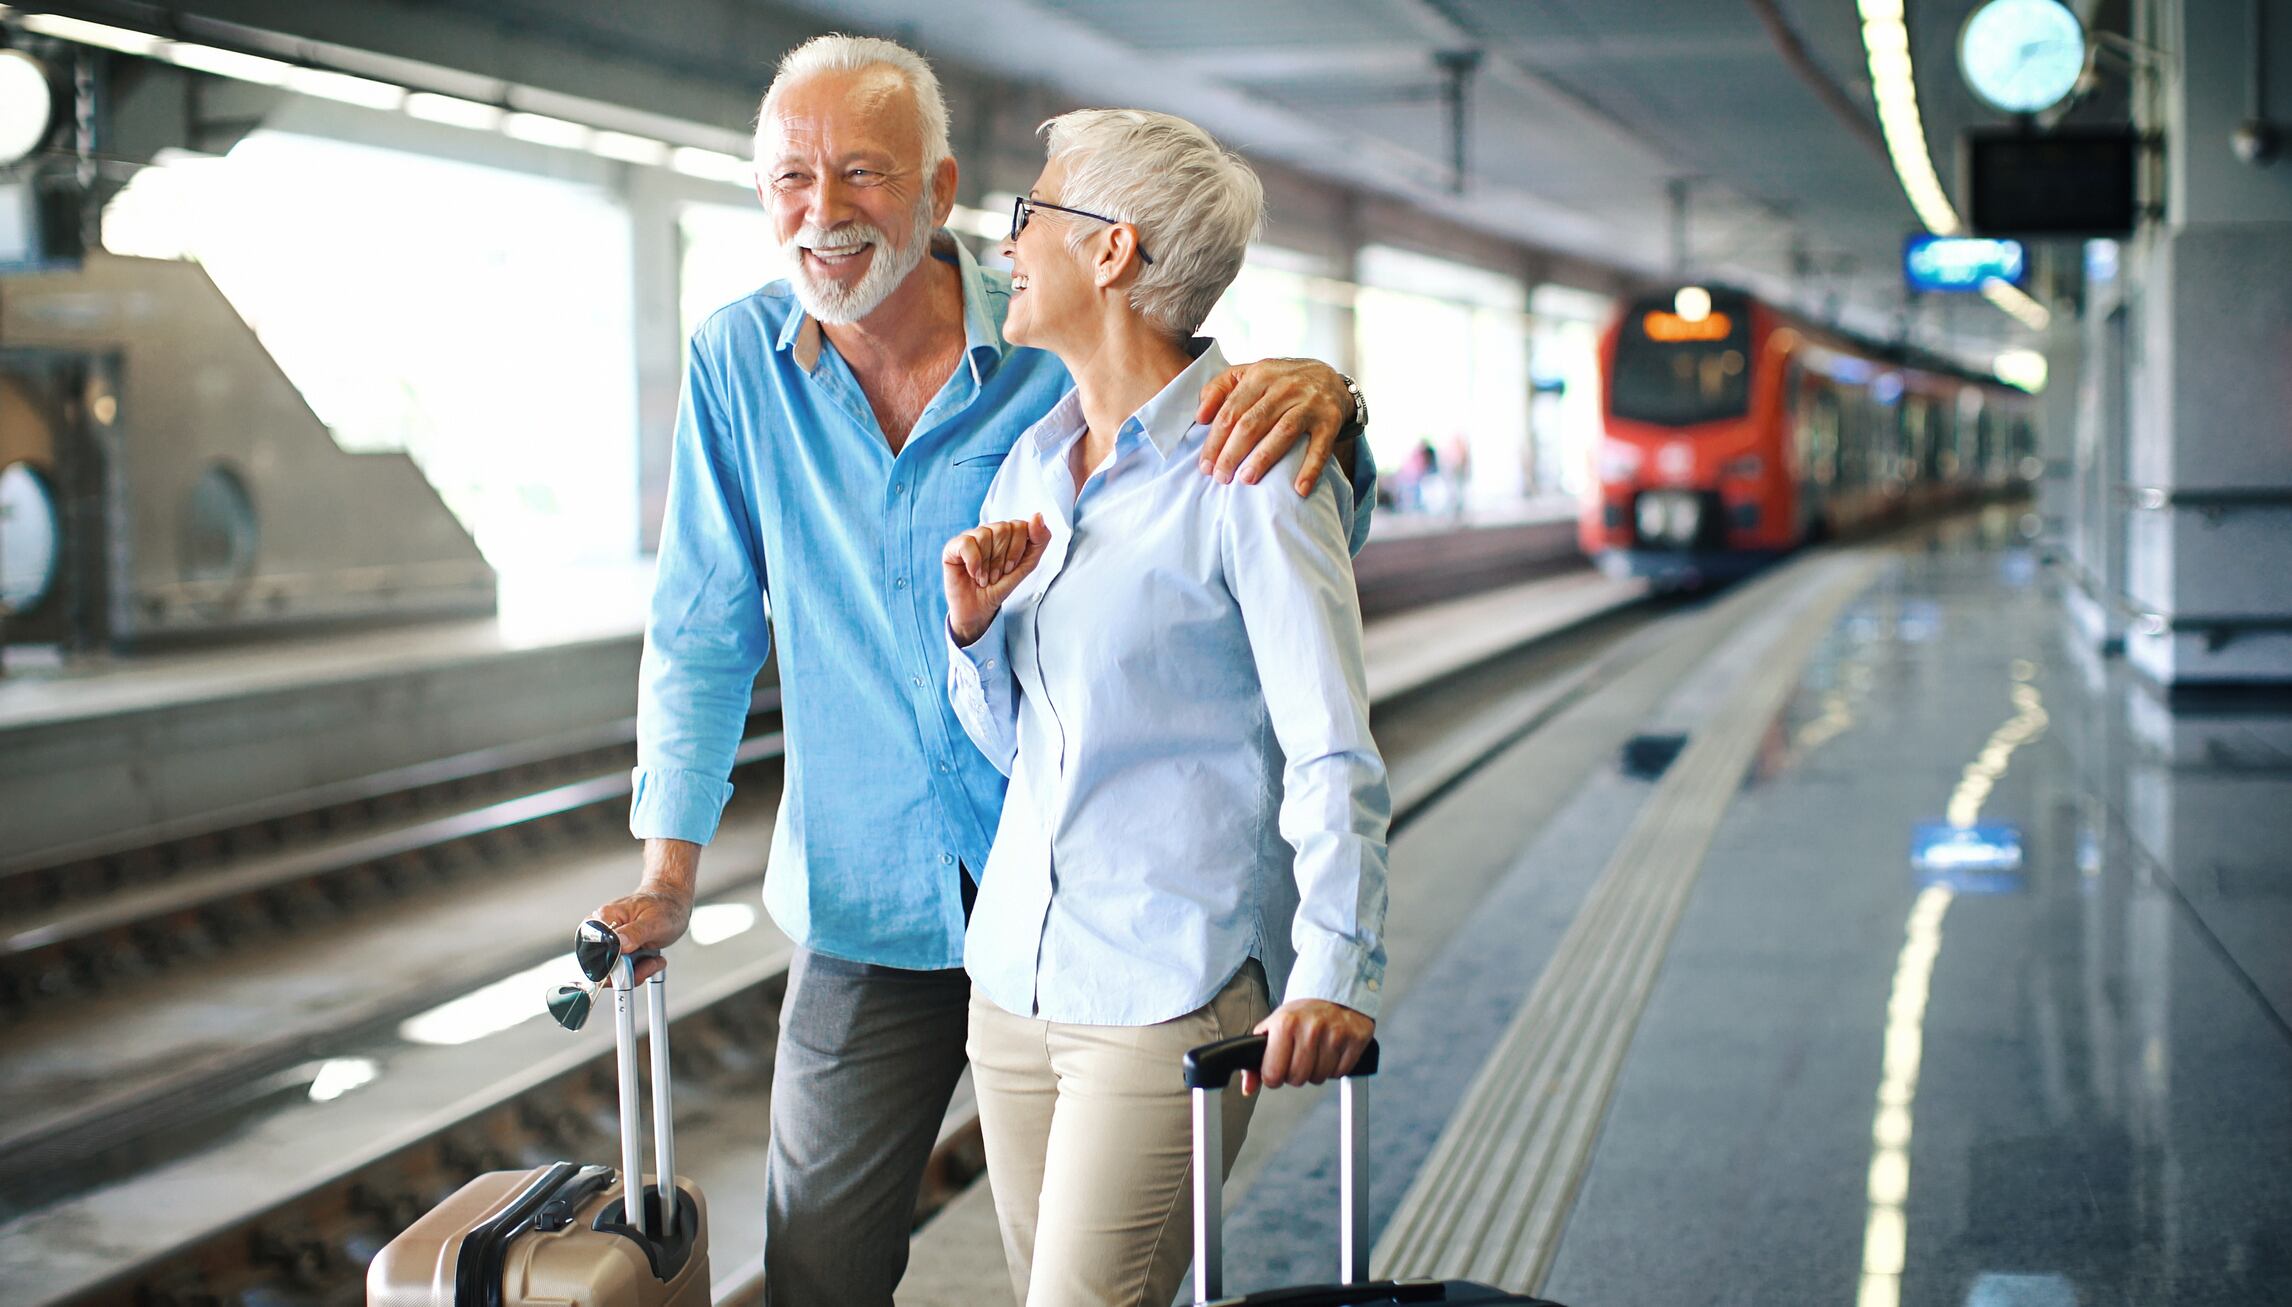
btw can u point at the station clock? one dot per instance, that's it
(27, 106)
(2022, 56)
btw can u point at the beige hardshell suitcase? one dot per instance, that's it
(558, 1234)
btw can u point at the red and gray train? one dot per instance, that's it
(1734, 432)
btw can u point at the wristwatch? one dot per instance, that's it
(1360, 406)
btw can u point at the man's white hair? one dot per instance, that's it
(1196, 205)
(837, 53)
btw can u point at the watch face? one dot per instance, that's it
(2022, 56)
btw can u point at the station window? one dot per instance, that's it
(1443, 349)
(1283, 304)
(725, 251)
(1564, 380)
(476, 317)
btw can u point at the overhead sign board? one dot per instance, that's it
(1954, 263)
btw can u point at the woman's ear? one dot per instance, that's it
(1117, 256)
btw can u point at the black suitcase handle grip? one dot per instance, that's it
(1213, 1066)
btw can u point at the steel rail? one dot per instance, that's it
(142, 932)
(165, 849)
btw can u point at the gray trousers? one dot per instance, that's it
(869, 1057)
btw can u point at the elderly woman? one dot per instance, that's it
(1169, 669)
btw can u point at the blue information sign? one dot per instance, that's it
(1962, 262)
(1979, 859)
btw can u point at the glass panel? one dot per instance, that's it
(1676, 371)
(477, 318)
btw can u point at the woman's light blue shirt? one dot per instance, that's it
(1177, 695)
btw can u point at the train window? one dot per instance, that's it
(1677, 378)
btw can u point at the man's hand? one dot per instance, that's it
(1258, 410)
(1308, 1041)
(656, 915)
(982, 566)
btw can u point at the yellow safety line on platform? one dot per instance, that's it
(1886, 1231)
(1491, 1201)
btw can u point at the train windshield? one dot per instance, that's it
(1679, 368)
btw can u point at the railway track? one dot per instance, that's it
(76, 922)
(370, 1156)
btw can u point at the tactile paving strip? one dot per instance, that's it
(1491, 1201)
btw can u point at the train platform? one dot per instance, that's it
(1898, 955)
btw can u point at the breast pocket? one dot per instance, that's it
(987, 462)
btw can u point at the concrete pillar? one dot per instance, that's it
(657, 334)
(2207, 496)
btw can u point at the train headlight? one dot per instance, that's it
(1686, 518)
(1619, 460)
(1649, 518)
(1668, 518)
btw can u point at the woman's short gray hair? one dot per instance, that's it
(1196, 205)
(837, 53)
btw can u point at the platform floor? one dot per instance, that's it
(1852, 1074)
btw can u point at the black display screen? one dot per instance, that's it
(2069, 182)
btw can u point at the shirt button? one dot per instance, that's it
(944, 769)
(898, 489)
(989, 665)
(946, 859)
(1374, 985)
(917, 681)
(900, 584)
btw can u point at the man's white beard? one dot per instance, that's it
(887, 267)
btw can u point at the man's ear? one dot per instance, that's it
(943, 179)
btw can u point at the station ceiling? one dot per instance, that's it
(1582, 115)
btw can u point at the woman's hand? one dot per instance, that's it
(982, 566)
(1308, 1041)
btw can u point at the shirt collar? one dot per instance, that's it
(1165, 419)
(1169, 416)
(983, 344)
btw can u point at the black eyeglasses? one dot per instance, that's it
(1023, 208)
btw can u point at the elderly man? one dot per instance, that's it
(835, 431)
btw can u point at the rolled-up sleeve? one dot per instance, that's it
(707, 636)
(984, 694)
(1288, 563)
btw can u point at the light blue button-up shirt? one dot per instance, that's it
(790, 518)
(1177, 694)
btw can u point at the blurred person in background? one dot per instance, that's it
(1170, 671)
(835, 429)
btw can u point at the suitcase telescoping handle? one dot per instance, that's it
(1209, 1069)
(664, 1137)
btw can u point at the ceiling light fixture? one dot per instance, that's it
(100, 35)
(1894, 85)
(2017, 302)
(1893, 82)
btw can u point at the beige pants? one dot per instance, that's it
(1089, 1136)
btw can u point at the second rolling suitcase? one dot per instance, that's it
(1209, 1069)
